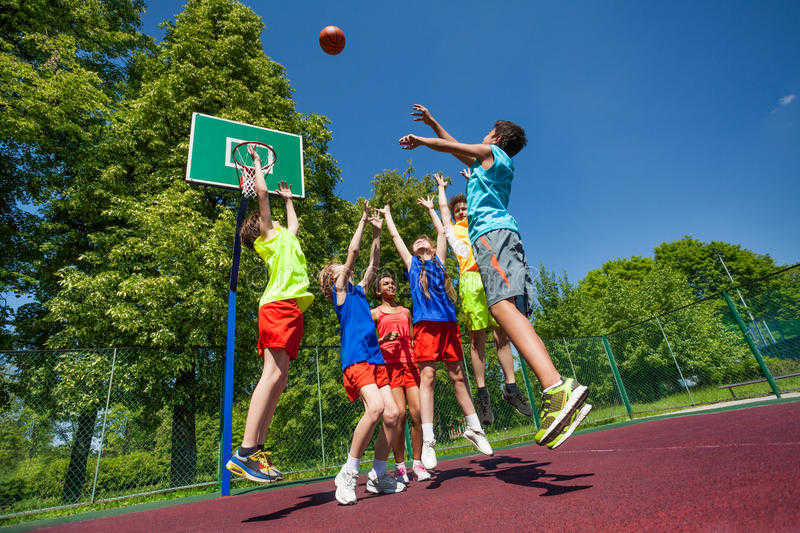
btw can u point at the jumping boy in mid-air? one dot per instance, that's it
(364, 372)
(475, 310)
(280, 322)
(498, 252)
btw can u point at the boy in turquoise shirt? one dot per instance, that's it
(501, 260)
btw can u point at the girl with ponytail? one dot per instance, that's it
(436, 336)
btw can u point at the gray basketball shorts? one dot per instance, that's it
(504, 271)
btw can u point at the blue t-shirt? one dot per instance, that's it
(437, 308)
(359, 343)
(488, 192)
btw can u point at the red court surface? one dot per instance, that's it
(724, 471)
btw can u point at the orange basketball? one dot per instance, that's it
(331, 39)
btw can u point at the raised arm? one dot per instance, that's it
(441, 240)
(265, 215)
(481, 152)
(444, 208)
(352, 254)
(421, 113)
(292, 223)
(375, 250)
(402, 250)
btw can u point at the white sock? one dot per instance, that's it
(400, 465)
(352, 463)
(553, 386)
(379, 467)
(427, 432)
(417, 462)
(473, 422)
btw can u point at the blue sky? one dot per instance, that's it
(645, 121)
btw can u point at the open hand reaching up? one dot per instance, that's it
(421, 113)
(467, 173)
(284, 191)
(427, 203)
(441, 181)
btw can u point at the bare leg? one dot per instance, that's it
(398, 445)
(504, 355)
(527, 341)
(265, 396)
(389, 429)
(477, 351)
(427, 372)
(373, 410)
(456, 373)
(412, 397)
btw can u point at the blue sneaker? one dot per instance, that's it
(248, 467)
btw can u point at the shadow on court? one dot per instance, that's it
(310, 500)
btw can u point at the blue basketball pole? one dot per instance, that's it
(230, 342)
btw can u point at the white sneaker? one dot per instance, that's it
(478, 439)
(428, 454)
(421, 473)
(345, 482)
(386, 484)
(401, 473)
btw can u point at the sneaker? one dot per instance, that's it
(428, 454)
(518, 402)
(266, 467)
(478, 439)
(401, 474)
(577, 418)
(420, 473)
(483, 406)
(345, 482)
(558, 406)
(386, 484)
(248, 467)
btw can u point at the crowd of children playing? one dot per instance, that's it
(389, 354)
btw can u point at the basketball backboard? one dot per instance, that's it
(210, 161)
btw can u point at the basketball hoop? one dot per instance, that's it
(247, 172)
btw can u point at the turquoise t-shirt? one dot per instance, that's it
(488, 192)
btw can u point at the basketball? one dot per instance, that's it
(331, 40)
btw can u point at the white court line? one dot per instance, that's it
(679, 448)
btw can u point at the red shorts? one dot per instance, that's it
(405, 375)
(437, 341)
(280, 325)
(362, 374)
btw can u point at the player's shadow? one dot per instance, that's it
(311, 500)
(525, 473)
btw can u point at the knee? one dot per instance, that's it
(374, 411)
(427, 376)
(391, 414)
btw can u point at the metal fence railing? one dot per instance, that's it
(83, 426)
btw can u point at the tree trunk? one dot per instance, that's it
(183, 464)
(81, 443)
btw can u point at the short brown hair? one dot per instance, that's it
(251, 229)
(457, 199)
(512, 137)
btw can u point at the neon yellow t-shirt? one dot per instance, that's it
(286, 264)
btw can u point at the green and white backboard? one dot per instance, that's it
(210, 160)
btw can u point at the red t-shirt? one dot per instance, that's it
(398, 350)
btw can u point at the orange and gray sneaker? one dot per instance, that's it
(266, 467)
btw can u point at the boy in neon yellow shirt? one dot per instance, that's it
(476, 311)
(280, 323)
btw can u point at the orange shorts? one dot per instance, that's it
(280, 325)
(437, 341)
(405, 375)
(362, 374)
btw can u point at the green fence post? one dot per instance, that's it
(753, 348)
(409, 449)
(524, 367)
(617, 377)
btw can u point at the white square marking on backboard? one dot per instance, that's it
(230, 143)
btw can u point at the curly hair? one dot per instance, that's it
(512, 137)
(251, 229)
(457, 199)
(326, 278)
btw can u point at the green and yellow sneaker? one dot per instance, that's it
(577, 418)
(558, 407)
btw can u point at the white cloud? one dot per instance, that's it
(786, 100)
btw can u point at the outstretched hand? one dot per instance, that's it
(409, 142)
(375, 218)
(421, 113)
(284, 191)
(467, 173)
(441, 181)
(427, 203)
(386, 211)
(251, 149)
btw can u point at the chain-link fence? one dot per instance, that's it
(83, 426)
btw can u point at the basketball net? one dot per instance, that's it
(247, 173)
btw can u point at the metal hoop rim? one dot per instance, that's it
(259, 143)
